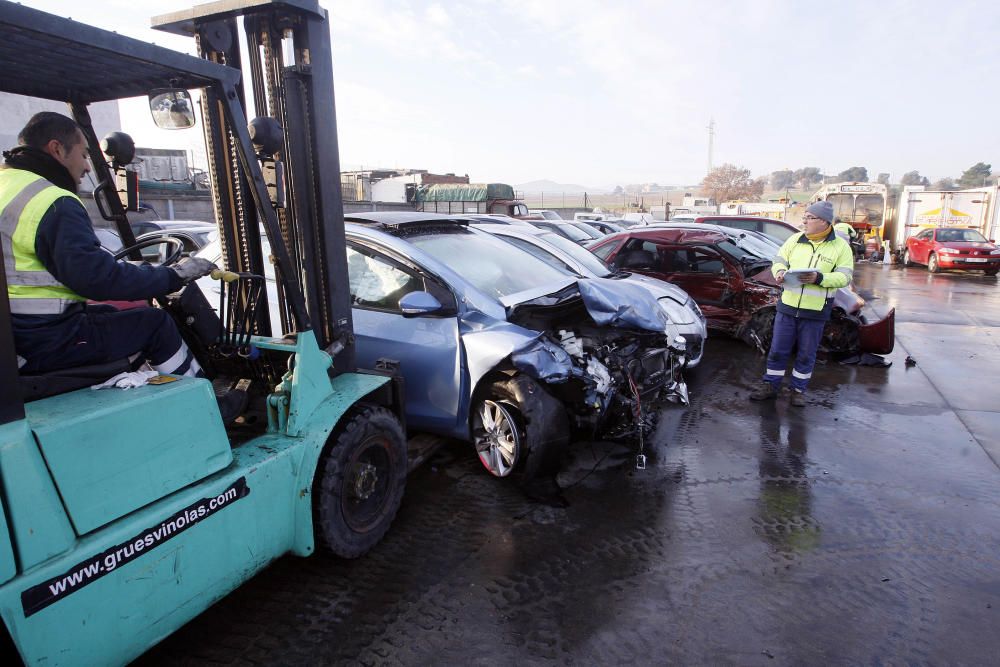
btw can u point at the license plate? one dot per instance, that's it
(976, 259)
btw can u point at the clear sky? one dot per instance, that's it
(600, 93)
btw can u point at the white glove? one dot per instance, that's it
(127, 380)
(192, 268)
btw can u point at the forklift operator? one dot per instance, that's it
(54, 263)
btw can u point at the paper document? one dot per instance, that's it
(793, 277)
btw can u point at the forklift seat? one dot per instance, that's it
(41, 385)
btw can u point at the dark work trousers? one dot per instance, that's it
(790, 332)
(106, 334)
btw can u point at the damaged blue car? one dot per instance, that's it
(499, 348)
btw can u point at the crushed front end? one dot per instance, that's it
(611, 367)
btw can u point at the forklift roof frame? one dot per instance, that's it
(83, 65)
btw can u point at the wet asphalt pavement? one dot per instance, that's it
(863, 528)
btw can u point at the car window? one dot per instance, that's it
(377, 282)
(540, 253)
(739, 224)
(577, 252)
(605, 250)
(701, 261)
(587, 229)
(967, 235)
(778, 231)
(491, 265)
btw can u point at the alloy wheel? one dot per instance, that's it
(497, 439)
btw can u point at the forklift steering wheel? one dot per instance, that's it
(177, 247)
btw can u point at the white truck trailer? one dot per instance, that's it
(920, 208)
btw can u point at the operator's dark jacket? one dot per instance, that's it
(69, 249)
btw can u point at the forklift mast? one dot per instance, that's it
(291, 88)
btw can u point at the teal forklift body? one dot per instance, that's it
(106, 596)
(175, 438)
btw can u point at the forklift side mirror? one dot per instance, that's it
(172, 108)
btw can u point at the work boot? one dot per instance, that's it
(765, 392)
(798, 399)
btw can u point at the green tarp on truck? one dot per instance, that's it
(464, 192)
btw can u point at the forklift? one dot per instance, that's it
(125, 514)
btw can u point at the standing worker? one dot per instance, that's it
(805, 306)
(54, 263)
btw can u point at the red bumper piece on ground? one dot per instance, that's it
(878, 337)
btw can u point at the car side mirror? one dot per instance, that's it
(415, 304)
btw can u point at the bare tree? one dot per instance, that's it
(731, 182)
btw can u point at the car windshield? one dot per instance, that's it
(966, 235)
(550, 215)
(588, 230)
(569, 231)
(741, 254)
(589, 260)
(490, 264)
(754, 244)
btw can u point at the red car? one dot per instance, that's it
(942, 248)
(727, 273)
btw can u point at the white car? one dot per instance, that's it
(548, 215)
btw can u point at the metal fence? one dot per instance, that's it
(608, 202)
(358, 190)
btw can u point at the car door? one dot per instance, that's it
(427, 347)
(920, 247)
(698, 270)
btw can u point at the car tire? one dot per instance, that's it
(360, 481)
(841, 335)
(519, 431)
(990, 272)
(906, 258)
(932, 264)
(760, 329)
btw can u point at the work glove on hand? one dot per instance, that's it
(192, 268)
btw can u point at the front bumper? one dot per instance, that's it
(958, 262)
(878, 337)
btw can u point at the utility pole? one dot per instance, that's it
(711, 141)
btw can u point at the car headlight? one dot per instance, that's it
(995, 252)
(675, 312)
(948, 251)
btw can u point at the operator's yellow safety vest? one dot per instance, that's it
(24, 199)
(832, 257)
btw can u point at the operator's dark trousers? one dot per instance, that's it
(101, 334)
(793, 332)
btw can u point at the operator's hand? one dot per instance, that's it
(781, 276)
(812, 277)
(192, 268)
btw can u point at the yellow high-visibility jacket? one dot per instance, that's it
(832, 258)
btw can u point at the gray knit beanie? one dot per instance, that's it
(822, 209)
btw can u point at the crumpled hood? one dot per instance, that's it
(609, 302)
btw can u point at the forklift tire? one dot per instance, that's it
(360, 481)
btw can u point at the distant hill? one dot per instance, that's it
(552, 186)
